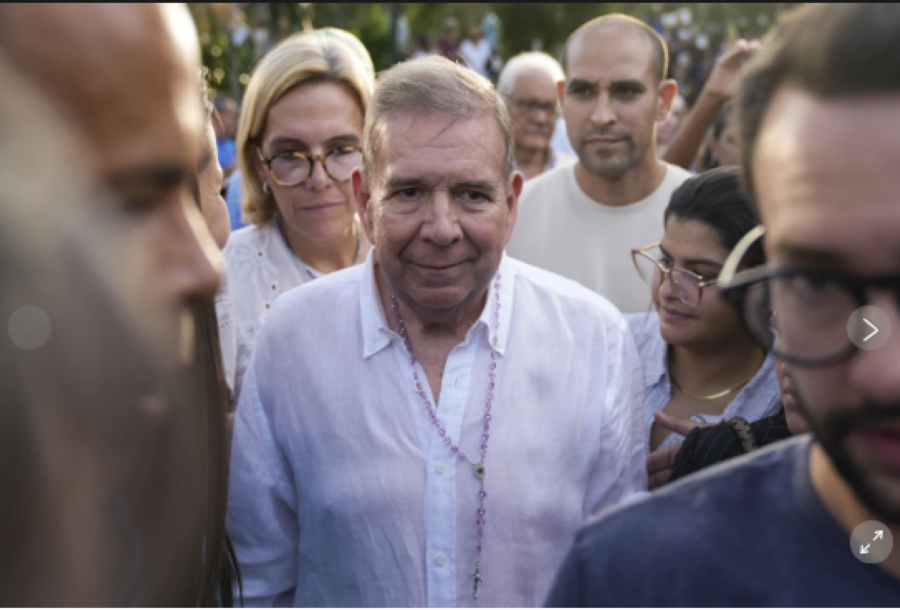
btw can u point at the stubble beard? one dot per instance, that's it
(832, 433)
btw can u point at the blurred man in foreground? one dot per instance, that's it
(796, 524)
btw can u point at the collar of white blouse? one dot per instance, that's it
(377, 334)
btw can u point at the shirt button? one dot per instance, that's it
(441, 468)
(440, 559)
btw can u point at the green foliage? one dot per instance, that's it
(551, 23)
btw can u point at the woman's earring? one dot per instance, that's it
(266, 187)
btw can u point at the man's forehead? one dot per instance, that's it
(826, 171)
(611, 50)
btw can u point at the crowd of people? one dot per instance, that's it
(445, 361)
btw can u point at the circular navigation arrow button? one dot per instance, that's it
(869, 327)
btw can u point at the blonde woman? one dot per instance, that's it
(299, 138)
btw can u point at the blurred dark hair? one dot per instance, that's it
(827, 49)
(716, 199)
(221, 576)
(715, 133)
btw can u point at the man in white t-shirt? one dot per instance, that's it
(581, 221)
(476, 50)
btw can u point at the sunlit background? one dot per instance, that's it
(235, 35)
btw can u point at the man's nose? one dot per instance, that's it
(189, 256)
(442, 227)
(603, 113)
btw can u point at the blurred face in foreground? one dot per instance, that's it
(439, 209)
(127, 80)
(828, 187)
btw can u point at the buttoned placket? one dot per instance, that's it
(442, 465)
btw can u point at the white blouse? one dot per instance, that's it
(260, 268)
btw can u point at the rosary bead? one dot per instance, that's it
(462, 456)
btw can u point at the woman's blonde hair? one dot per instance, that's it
(323, 56)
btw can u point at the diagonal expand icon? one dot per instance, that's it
(875, 332)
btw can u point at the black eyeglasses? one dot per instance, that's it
(294, 168)
(802, 313)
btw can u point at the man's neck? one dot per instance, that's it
(327, 256)
(840, 501)
(444, 325)
(633, 186)
(531, 161)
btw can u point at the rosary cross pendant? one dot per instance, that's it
(476, 578)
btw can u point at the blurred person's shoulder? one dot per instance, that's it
(699, 536)
(675, 177)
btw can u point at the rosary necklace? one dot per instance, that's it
(309, 272)
(478, 467)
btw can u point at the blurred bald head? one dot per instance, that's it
(125, 77)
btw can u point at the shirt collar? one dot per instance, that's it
(655, 367)
(377, 334)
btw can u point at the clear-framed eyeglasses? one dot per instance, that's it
(655, 268)
(814, 305)
(293, 168)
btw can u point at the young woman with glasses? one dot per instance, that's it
(700, 363)
(298, 140)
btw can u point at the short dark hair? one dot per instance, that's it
(715, 198)
(661, 51)
(826, 49)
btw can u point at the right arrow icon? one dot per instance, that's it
(878, 534)
(875, 332)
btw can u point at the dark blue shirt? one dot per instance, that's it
(750, 532)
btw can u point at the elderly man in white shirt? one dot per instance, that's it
(432, 427)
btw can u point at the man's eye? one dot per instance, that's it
(474, 196)
(629, 93)
(410, 193)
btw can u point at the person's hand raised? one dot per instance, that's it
(660, 462)
(726, 74)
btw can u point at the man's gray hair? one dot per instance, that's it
(527, 63)
(426, 85)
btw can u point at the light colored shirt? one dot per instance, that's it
(476, 54)
(555, 159)
(260, 269)
(758, 399)
(343, 494)
(561, 229)
(560, 140)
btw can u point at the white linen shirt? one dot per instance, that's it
(760, 398)
(260, 269)
(343, 494)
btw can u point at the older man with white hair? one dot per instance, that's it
(431, 428)
(528, 84)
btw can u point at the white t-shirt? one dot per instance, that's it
(561, 229)
(476, 54)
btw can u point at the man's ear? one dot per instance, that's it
(667, 91)
(362, 197)
(513, 191)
